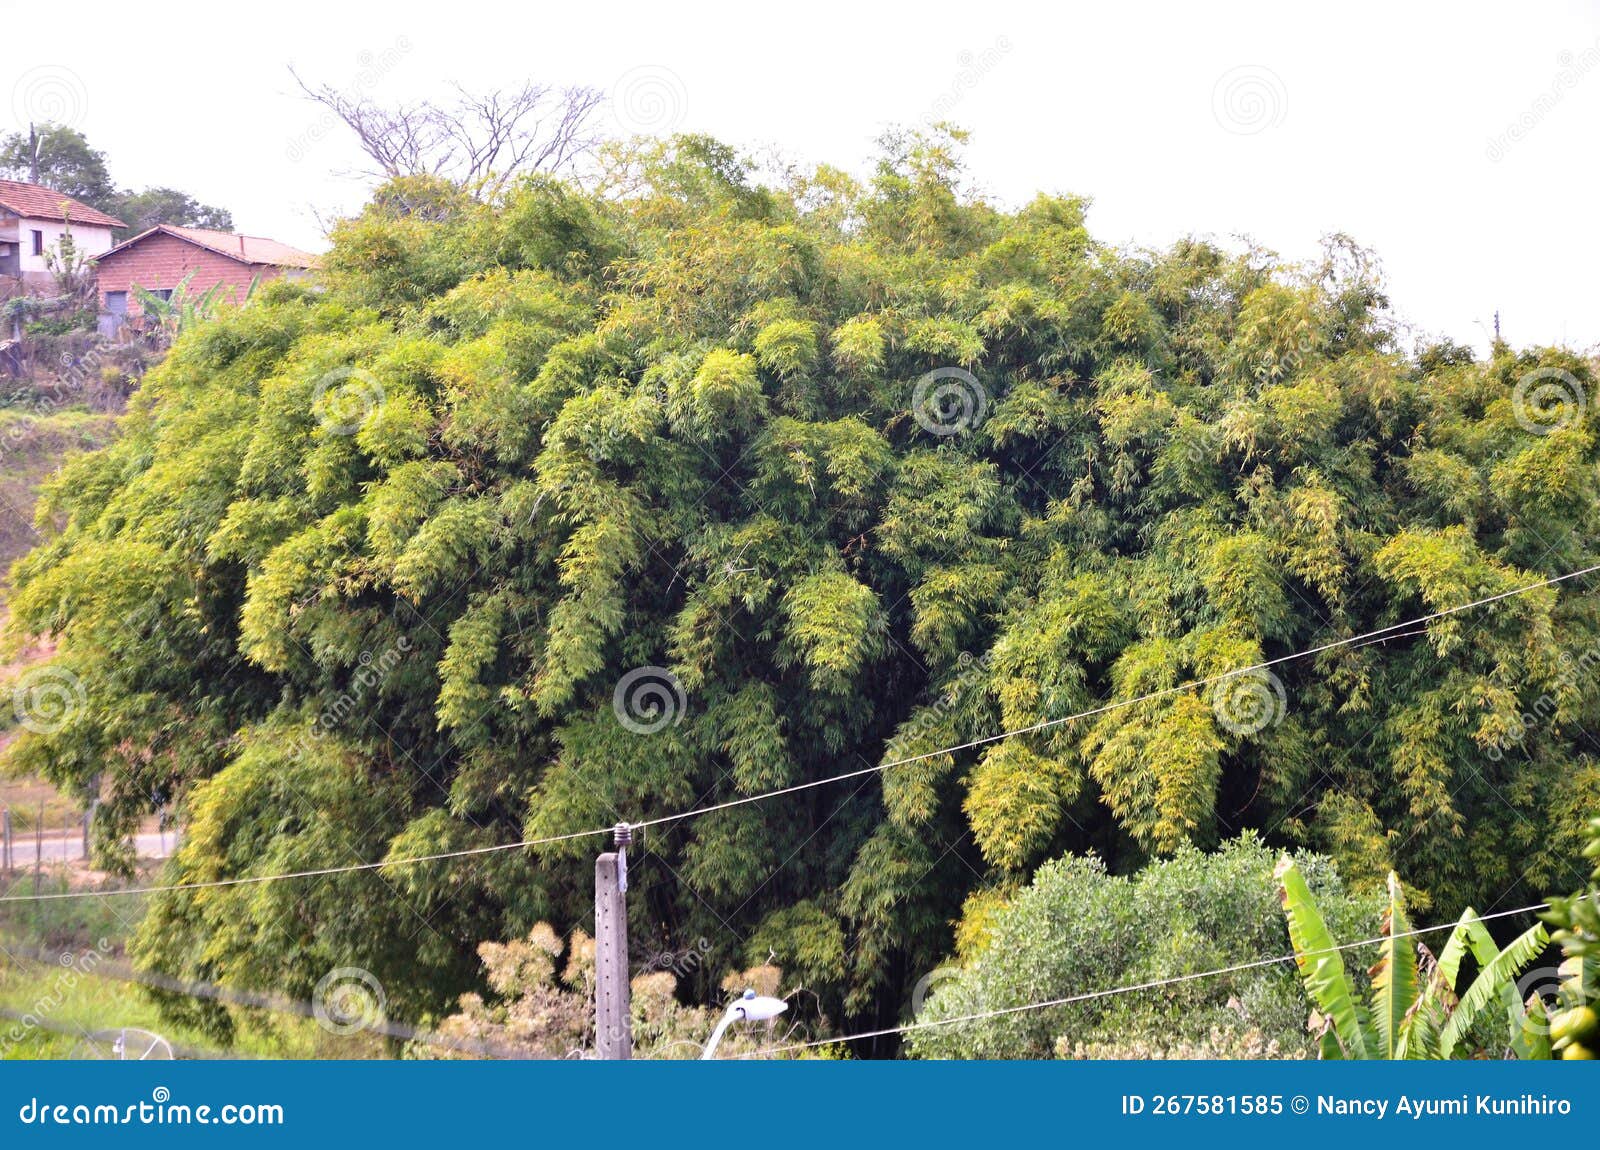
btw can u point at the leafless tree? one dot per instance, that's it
(479, 141)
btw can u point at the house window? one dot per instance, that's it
(162, 293)
(38, 242)
(117, 302)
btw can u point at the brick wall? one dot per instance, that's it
(161, 261)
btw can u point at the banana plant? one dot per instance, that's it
(180, 311)
(1413, 1009)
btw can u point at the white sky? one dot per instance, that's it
(1375, 119)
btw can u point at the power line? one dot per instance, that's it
(1155, 984)
(70, 962)
(247, 879)
(1368, 637)
(1364, 639)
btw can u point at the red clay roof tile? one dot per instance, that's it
(245, 249)
(34, 202)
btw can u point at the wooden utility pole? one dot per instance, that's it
(613, 1010)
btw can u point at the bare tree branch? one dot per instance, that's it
(479, 142)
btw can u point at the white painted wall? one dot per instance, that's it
(90, 240)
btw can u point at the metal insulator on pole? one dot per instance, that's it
(623, 834)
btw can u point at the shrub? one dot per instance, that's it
(1078, 929)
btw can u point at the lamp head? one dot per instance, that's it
(753, 1007)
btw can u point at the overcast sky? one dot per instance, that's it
(1458, 140)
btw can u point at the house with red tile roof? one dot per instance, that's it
(33, 219)
(159, 259)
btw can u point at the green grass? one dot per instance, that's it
(98, 995)
(69, 923)
(69, 1004)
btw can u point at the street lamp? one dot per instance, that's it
(751, 1007)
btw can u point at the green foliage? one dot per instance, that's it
(1413, 1010)
(1322, 967)
(1014, 802)
(142, 211)
(722, 398)
(787, 347)
(674, 423)
(72, 270)
(35, 446)
(66, 162)
(1077, 929)
(1574, 1026)
(179, 311)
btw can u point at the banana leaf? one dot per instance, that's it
(1321, 966)
(1496, 979)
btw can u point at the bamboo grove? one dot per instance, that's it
(849, 472)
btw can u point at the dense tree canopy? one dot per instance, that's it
(62, 158)
(142, 211)
(861, 471)
(58, 157)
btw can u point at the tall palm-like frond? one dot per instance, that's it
(1497, 979)
(1321, 966)
(1394, 976)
